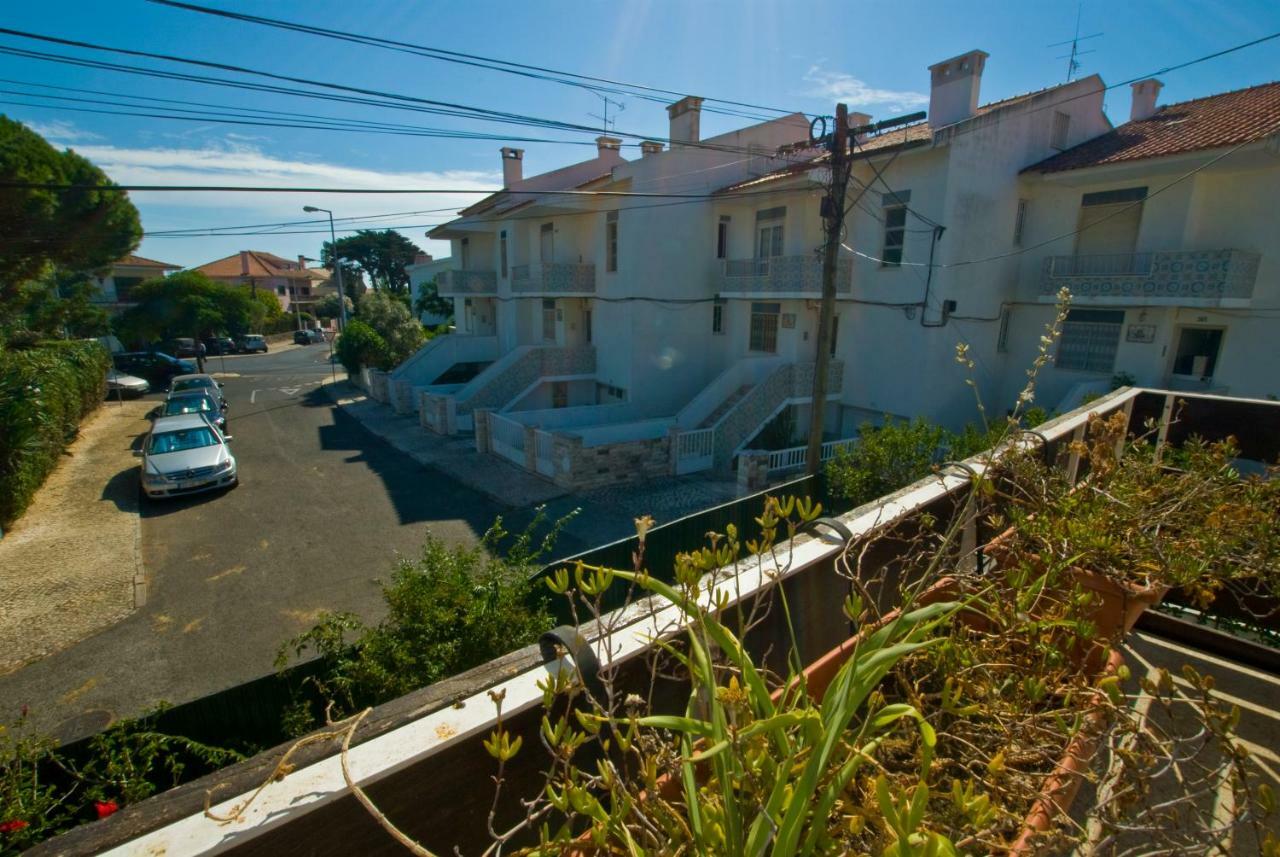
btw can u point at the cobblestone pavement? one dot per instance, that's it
(67, 566)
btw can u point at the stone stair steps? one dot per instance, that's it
(725, 406)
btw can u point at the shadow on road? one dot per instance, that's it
(122, 489)
(170, 505)
(418, 493)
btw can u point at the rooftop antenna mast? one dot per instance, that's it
(1073, 62)
(605, 120)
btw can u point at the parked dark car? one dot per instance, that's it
(183, 346)
(301, 337)
(156, 367)
(220, 345)
(251, 342)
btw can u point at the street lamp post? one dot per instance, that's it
(333, 242)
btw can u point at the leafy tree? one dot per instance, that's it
(327, 306)
(390, 318)
(57, 304)
(271, 309)
(189, 304)
(429, 301)
(77, 230)
(359, 346)
(381, 254)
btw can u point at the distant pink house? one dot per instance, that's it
(292, 282)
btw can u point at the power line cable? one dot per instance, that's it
(590, 82)
(998, 256)
(431, 105)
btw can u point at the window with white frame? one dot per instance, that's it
(1089, 340)
(769, 223)
(1061, 128)
(894, 210)
(764, 327)
(611, 241)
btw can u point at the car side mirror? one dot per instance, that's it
(220, 384)
(227, 438)
(137, 453)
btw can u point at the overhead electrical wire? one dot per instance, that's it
(588, 82)
(354, 94)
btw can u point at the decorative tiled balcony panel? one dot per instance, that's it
(781, 275)
(554, 278)
(1182, 275)
(467, 283)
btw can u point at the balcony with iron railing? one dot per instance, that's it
(554, 278)
(467, 283)
(1169, 278)
(780, 276)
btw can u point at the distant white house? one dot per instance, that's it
(422, 273)
(114, 288)
(602, 337)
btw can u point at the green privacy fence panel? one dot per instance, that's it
(665, 541)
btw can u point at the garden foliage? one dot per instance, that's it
(45, 391)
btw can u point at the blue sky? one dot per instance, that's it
(796, 56)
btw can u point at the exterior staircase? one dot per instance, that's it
(447, 411)
(726, 406)
(434, 364)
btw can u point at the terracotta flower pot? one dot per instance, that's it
(1115, 604)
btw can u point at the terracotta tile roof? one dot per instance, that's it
(260, 264)
(1228, 119)
(143, 262)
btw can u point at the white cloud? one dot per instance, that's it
(59, 131)
(239, 163)
(840, 86)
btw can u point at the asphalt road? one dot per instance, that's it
(322, 509)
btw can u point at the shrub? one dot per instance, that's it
(45, 391)
(391, 319)
(360, 346)
(450, 609)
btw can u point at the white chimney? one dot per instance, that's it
(953, 88)
(649, 147)
(302, 263)
(685, 117)
(607, 145)
(512, 166)
(1145, 93)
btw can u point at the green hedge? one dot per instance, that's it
(45, 392)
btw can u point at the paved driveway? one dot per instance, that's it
(323, 508)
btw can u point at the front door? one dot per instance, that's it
(1197, 353)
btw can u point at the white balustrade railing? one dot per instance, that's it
(798, 456)
(544, 447)
(695, 450)
(507, 438)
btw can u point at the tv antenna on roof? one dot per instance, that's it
(1073, 63)
(605, 120)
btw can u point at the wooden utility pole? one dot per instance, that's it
(833, 219)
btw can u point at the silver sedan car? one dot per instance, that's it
(196, 383)
(185, 454)
(122, 384)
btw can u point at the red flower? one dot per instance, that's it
(105, 808)
(13, 825)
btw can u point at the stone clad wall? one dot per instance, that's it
(582, 468)
(537, 363)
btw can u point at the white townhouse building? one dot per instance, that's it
(1175, 274)
(601, 338)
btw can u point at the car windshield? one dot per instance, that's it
(182, 439)
(188, 405)
(191, 384)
